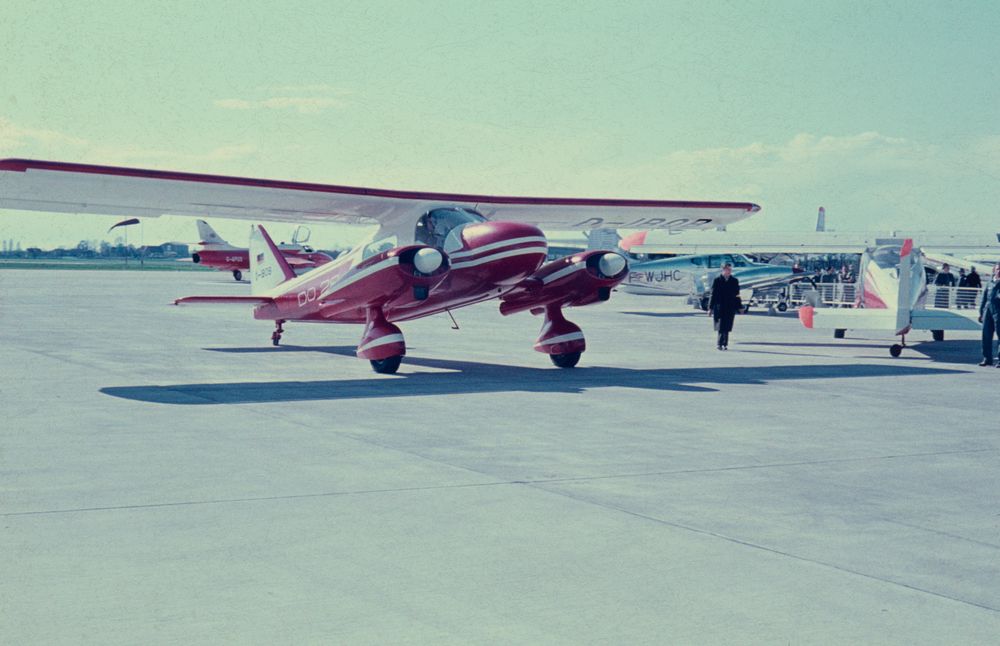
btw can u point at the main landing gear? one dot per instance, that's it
(387, 366)
(238, 275)
(382, 343)
(562, 340)
(567, 360)
(276, 335)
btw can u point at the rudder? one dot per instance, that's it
(208, 234)
(268, 268)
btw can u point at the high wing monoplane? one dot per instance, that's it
(893, 297)
(217, 253)
(431, 252)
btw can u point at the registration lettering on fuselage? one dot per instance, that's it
(662, 276)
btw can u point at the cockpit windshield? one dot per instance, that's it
(434, 227)
(886, 257)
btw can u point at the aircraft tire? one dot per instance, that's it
(839, 333)
(895, 349)
(567, 360)
(387, 366)
(237, 274)
(937, 335)
(782, 307)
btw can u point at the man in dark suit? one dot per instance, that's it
(724, 304)
(989, 316)
(944, 279)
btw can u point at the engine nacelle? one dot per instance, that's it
(580, 279)
(398, 275)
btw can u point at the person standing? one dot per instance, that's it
(963, 282)
(972, 282)
(989, 316)
(724, 304)
(944, 279)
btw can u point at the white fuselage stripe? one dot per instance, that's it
(565, 271)
(388, 338)
(499, 256)
(562, 338)
(498, 245)
(364, 273)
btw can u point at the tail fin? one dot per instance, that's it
(904, 296)
(208, 234)
(268, 268)
(821, 220)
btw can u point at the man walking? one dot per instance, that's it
(989, 316)
(723, 305)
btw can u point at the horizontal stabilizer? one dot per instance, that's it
(224, 300)
(945, 320)
(831, 318)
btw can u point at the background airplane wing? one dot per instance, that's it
(108, 190)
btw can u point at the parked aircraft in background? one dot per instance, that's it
(693, 275)
(893, 297)
(219, 254)
(430, 254)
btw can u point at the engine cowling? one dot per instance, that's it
(576, 280)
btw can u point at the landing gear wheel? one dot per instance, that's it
(782, 307)
(937, 335)
(839, 334)
(895, 349)
(568, 360)
(387, 366)
(276, 335)
(237, 274)
(703, 304)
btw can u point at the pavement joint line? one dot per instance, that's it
(941, 533)
(535, 482)
(772, 550)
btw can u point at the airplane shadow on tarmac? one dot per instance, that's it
(476, 377)
(966, 351)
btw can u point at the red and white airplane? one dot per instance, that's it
(892, 297)
(215, 252)
(431, 252)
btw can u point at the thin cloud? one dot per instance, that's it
(15, 138)
(300, 104)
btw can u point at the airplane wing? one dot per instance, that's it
(107, 190)
(707, 242)
(224, 300)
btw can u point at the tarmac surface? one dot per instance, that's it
(167, 476)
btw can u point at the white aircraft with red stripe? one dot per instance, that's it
(892, 296)
(217, 253)
(431, 252)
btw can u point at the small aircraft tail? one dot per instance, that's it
(208, 234)
(904, 297)
(268, 268)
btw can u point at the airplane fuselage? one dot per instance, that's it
(492, 258)
(229, 258)
(693, 275)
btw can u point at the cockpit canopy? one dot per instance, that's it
(888, 256)
(437, 225)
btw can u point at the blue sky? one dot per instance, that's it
(886, 113)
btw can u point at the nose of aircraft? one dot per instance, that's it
(507, 251)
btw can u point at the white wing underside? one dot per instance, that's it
(104, 190)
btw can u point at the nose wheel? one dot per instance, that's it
(276, 335)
